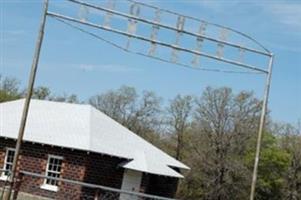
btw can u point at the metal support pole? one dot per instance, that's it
(27, 100)
(261, 126)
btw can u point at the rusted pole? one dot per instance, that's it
(27, 100)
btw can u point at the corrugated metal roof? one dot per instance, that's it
(83, 127)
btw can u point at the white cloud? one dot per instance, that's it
(13, 32)
(286, 13)
(218, 5)
(11, 36)
(284, 46)
(108, 68)
(86, 67)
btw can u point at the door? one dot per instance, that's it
(131, 182)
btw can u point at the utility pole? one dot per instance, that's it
(27, 101)
(261, 127)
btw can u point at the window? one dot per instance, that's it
(53, 169)
(8, 162)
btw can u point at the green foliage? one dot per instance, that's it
(274, 162)
(9, 89)
(41, 93)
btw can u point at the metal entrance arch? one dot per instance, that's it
(209, 43)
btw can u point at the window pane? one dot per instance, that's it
(8, 161)
(50, 167)
(48, 181)
(51, 181)
(54, 169)
(10, 156)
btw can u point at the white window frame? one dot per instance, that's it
(3, 176)
(46, 186)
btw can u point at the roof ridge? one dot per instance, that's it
(49, 101)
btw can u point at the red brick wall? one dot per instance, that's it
(34, 159)
(81, 166)
(77, 165)
(102, 170)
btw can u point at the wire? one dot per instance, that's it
(149, 56)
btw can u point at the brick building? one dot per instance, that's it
(80, 143)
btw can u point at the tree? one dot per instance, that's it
(9, 89)
(273, 164)
(145, 118)
(179, 114)
(65, 98)
(222, 123)
(140, 115)
(291, 143)
(41, 93)
(118, 104)
(44, 93)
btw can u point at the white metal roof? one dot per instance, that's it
(86, 128)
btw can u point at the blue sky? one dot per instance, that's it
(72, 62)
